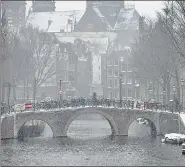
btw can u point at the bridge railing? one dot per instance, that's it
(82, 102)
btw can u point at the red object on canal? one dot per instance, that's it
(28, 106)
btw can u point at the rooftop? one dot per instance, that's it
(62, 21)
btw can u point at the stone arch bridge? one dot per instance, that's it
(60, 120)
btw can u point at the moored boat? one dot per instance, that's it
(31, 129)
(174, 138)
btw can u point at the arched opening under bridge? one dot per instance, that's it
(142, 127)
(89, 124)
(34, 128)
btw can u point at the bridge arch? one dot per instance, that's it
(22, 123)
(152, 123)
(80, 112)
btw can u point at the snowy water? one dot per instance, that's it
(89, 143)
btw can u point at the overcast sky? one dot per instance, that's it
(143, 7)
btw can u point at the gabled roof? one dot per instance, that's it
(59, 21)
(118, 19)
(102, 18)
(127, 19)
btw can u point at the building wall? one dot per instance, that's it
(15, 12)
(117, 66)
(96, 69)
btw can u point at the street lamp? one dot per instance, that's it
(120, 89)
(182, 87)
(174, 89)
(164, 94)
(103, 89)
(151, 93)
(93, 87)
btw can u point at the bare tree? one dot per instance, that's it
(34, 59)
(43, 59)
(7, 45)
(173, 17)
(154, 57)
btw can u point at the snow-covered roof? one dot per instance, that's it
(103, 19)
(100, 42)
(64, 37)
(127, 19)
(112, 19)
(59, 21)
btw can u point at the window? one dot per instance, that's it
(115, 95)
(123, 80)
(116, 83)
(123, 92)
(136, 81)
(116, 63)
(110, 84)
(71, 76)
(109, 62)
(129, 80)
(129, 68)
(110, 72)
(123, 67)
(116, 72)
(129, 92)
(110, 95)
(121, 59)
(99, 77)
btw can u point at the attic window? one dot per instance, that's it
(90, 26)
(112, 14)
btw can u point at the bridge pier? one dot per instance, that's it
(158, 127)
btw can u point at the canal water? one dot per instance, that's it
(89, 143)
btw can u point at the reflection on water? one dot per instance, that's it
(89, 143)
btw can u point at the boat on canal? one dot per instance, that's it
(183, 148)
(32, 128)
(174, 138)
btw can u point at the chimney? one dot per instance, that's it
(89, 4)
(122, 4)
(49, 23)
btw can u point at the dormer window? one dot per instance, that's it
(112, 14)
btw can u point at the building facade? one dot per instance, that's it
(114, 17)
(104, 19)
(15, 12)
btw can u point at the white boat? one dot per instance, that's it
(183, 148)
(174, 138)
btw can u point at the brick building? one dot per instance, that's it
(15, 12)
(125, 22)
